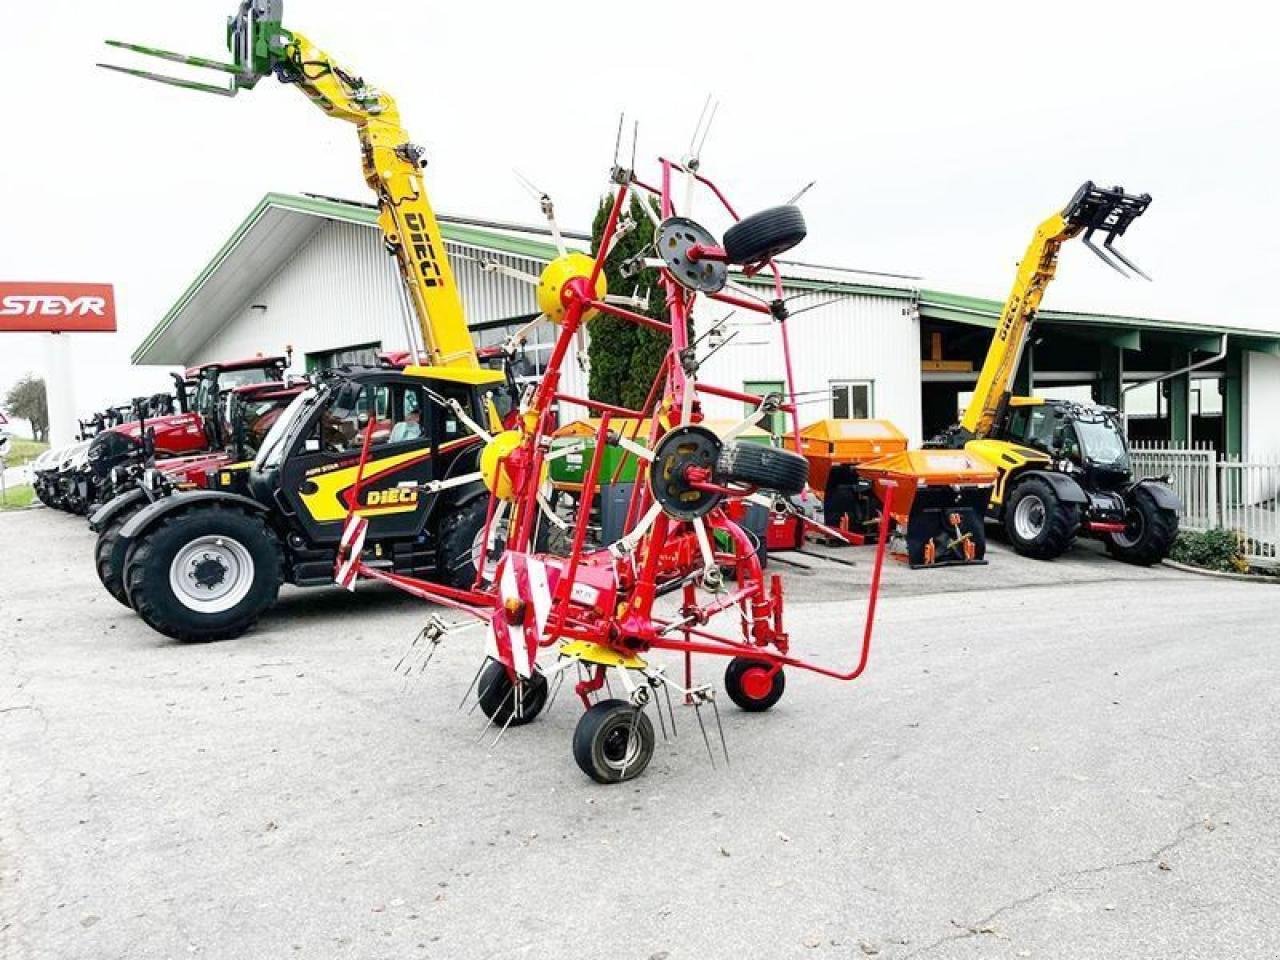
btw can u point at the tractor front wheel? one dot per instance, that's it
(206, 574)
(110, 573)
(1148, 534)
(1038, 522)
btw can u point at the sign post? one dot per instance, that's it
(58, 309)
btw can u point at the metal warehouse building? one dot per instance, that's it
(311, 275)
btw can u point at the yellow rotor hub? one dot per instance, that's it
(557, 274)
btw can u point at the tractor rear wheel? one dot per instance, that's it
(206, 574)
(461, 551)
(1149, 531)
(1038, 522)
(103, 554)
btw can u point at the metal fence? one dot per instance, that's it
(1221, 492)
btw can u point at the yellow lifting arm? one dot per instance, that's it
(1091, 209)
(261, 46)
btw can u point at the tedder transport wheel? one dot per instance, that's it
(497, 700)
(1038, 523)
(1149, 532)
(767, 467)
(750, 686)
(763, 235)
(206, 574)
(460, 546)
(613, 742)
(112, 578)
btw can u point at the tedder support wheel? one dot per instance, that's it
(460, 547)
(1149, 531)
(751, 685)
(205, 574)
(767, 467)
(112, 578)
(497, 697)
(613, 741)
(1038, 523)
(763, 235)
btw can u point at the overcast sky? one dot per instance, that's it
(939, 134)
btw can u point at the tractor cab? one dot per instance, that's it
(1080, 437)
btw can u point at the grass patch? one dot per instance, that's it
(1215, 549)
(14, 498)
(23, 451)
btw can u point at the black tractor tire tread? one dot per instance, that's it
(764, 235)
(1161, 530)
(770, 468)
(458, 531)
(139, 571)
(112, 579)
(1062, 521)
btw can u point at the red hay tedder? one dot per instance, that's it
(593, 610)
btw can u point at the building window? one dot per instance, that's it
(852, 399)
(776, 422)
(360, 355)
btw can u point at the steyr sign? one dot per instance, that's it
(57, 307)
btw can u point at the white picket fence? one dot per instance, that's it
(1221, 492)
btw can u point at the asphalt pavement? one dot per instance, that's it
(1068, 760)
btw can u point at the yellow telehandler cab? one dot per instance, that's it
(1062, 468)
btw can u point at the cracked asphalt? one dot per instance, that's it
(1067, 760)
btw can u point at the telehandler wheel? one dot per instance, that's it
(206, 574)
(750, 686)
(613, 742)
(1149, 532)
(460, 546)
(763, 235)
(766, 467)
(110, 577)
(1038, 523)
(494, 691)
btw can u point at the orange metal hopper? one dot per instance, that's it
(827, 443)
(915, 470)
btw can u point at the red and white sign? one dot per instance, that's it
(57, 307)
(350, 547)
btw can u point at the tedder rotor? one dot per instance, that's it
(594, 612)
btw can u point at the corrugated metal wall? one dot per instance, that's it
(341, 288)
(848, 337)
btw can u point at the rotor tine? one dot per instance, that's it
(516, 711)
(697, 709)
(671, 710)
(1088, 242)
(720, 726)
(1111, 238)
(405, 655)
(471, 686)
(631, 734)
(551, 701)
(657, 708)
(480, 696)
(485, 731)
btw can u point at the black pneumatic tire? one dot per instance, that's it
(743, 693)
(494, 691)
(602, 739)
(103, 552)
(1058, 530)
(458, 532)
(147, 573)
(765, 234)
(769, 468)
(1150, 533)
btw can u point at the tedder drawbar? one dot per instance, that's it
(595, 611)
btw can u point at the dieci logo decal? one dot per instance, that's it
(391, 498)
(57, 307)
